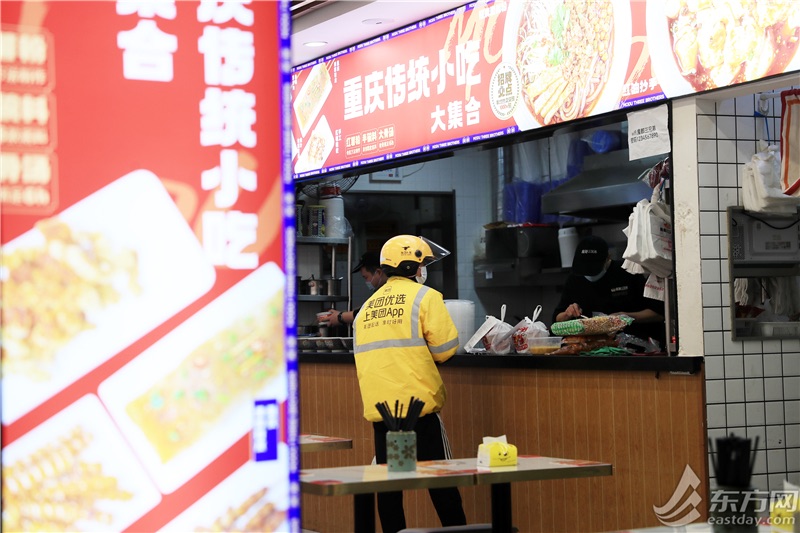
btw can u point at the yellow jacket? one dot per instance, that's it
(400, 333)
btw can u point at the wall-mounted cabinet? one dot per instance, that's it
(764, 268)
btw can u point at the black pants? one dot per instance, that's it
(431, 445)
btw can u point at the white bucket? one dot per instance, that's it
(335, 225)
(567, 243)
(463, 314)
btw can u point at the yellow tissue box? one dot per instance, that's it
(497, 454)
(783, 515)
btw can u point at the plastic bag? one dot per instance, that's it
(761, 183)
(494, 336)
(527, 329)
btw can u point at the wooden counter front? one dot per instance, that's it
(649, 426)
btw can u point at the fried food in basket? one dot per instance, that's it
(50, 292)
(218, 376)
(54, 488)
(254, 514)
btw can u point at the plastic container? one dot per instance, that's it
(463, 314)
(544, 345)
(779, 329)
(567, 243)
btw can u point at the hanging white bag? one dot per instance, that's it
(527, 329)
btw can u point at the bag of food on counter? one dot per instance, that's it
(591, 326)
(527, 329)
(494, 336)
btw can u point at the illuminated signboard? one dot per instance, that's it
(496, 68)
(148, 382)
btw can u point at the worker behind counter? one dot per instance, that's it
(599, 285)
(370, 269)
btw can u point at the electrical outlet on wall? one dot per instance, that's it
(393, 175)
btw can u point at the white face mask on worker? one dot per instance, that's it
(423, 275)
(596, 277)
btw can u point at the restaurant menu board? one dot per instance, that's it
(498, 67)
(145, 204)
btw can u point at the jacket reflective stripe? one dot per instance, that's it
(452, 345)
(415, 340)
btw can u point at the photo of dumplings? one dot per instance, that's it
(716, 43)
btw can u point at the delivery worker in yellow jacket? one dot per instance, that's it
(401, 333)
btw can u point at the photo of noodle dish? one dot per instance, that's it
(572, 57)
(700, 45)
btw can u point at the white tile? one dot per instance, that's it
(755, 413)
(791, 388)
(791, 364)
(725, 277)
(734, 390)
(792, 435)
(745, 128)
(706, 127)
(709, 223)
(775, 437)
(772, 364)
(715, 391)
(753, 366)
(709, 247)
(715, 365)
(717, 433)
(726, 127)
(726, 293)
(712, 318)
(713, 343)
(727, 175)
(791, 345)
(760, 482)
(731, 346)
(754, 390)
(723, 246)
(745, 105)
(707, 175)
(734, 366)
(791, 412)
(757, 431)
(776, 461)
(708, 198)
(771, 346)
(723, 222)
(726, 151)
(735, 414)
(776, 480)
(728, 196)
(706, 151)
(716, 416)
(726, 320)
(792, 459)
(774, 413)
(726, 107)
(745, 151)
(753, 346)
(709, 270)
(760, 463)
(712, 294)
(773, 389)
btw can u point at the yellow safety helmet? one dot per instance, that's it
(403, 254)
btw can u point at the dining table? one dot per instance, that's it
(364, 481)
(323, 443)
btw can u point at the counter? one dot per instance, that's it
(678, 365)
(643, 414)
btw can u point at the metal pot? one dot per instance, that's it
(331, 286)
(307, 330)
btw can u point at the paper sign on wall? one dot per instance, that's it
(648, 132)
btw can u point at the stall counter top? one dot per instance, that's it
(672, 364)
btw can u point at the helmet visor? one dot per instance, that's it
(436, 252)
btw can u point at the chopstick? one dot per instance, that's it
(396, 421)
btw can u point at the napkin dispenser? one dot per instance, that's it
(495, 451)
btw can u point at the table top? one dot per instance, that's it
(323, 443)
(446, 473)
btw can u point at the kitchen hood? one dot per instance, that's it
(606, 189)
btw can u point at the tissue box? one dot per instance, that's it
(497, 454)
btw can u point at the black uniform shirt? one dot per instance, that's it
(617, 291)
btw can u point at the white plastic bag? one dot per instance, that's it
(761, 183)
(494, 336)
(527, 329)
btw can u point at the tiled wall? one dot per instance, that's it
(753, 386)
